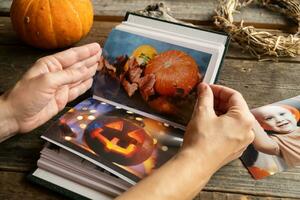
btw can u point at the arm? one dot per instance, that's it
(205, 148)
(182, 177)
(8, 125)
(262, 142)
(46, 88)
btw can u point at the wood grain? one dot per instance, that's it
(99, 32)
(204, 195)
(196, 10)
(14, 186)
(259, 82)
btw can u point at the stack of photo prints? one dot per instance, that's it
(144, 96)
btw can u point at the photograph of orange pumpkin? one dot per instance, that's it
(150, 76)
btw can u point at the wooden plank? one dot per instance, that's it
(261, 82)
(15, 186)
(13, 52)
(195, 10)
(21, 152)
(205, 195)
(234, 178)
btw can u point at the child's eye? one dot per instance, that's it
(281, 114)
(268, 118)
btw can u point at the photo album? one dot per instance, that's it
(276, 146)
(143, 97)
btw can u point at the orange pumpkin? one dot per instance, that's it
(50, 24)
(176, 73)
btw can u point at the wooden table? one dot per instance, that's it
(259, 82)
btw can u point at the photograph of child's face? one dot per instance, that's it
(276, 118)
(276, 145)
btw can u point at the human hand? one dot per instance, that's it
(221, 125)
(220, 129)
(49, 85)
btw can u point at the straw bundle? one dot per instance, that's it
(260, 43)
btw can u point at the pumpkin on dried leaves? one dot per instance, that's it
(176, 73)
(50, 24)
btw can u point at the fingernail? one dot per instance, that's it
(202, 87)
(98, 56)
(96, 45)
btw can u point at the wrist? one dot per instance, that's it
(201, 158)
(8, 123)
(198, 159)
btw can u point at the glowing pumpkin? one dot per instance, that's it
(119, 140)
(176, 73)
(53, 23)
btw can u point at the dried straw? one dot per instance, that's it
(260, 43)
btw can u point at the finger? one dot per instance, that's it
(76, 54)
(80, 89)
(61, 97)
(43, 65)
(88, 62)
(205, 102)
(91, 74)
(69, 76)
(227, 98)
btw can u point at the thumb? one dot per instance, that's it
(205, 102)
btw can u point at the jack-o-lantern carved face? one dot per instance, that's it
(119, 140)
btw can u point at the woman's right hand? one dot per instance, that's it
(221, 125)
(219, 131)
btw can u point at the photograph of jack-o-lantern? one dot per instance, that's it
(120, 141)
(151, 76)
